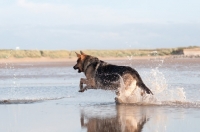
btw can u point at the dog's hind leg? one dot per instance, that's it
(117, 92)
(118, 100)
(129, 84)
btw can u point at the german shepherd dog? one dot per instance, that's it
(100, 74)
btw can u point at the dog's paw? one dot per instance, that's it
(118, 101)
(81, 90)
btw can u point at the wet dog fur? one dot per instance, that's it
(102, 75)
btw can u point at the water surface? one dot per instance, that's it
(44, 97)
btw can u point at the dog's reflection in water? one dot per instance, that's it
(124, 119)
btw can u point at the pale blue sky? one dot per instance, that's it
(99, 24)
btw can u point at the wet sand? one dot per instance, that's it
(43, 97)
(45, 59)
(137, 61)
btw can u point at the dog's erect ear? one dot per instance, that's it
(82, 53)
(78, 55)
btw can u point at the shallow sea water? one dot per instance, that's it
(44, 97)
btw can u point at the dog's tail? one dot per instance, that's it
(140, 83)
(143, 86)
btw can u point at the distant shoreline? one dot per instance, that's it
(46, 59)
(18, 55)
(67, 60)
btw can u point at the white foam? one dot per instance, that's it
(158, 84)
(26, 100)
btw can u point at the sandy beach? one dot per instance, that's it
(46, 59)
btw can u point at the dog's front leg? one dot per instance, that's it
(81, 84)
(90, 84)
(82, 81)
(85, 88)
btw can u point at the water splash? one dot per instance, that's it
(163, 93)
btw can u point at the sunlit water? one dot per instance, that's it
(44, 97)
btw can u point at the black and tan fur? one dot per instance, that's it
(100, 74)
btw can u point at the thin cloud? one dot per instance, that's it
(53, 25)
(86, 14)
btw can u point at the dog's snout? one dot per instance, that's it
(75, 67)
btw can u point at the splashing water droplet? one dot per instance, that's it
(159, 86)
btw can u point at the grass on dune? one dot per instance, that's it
(99, 53)
(55, 53)
(34, 53)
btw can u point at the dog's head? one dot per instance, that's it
(80, 62)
